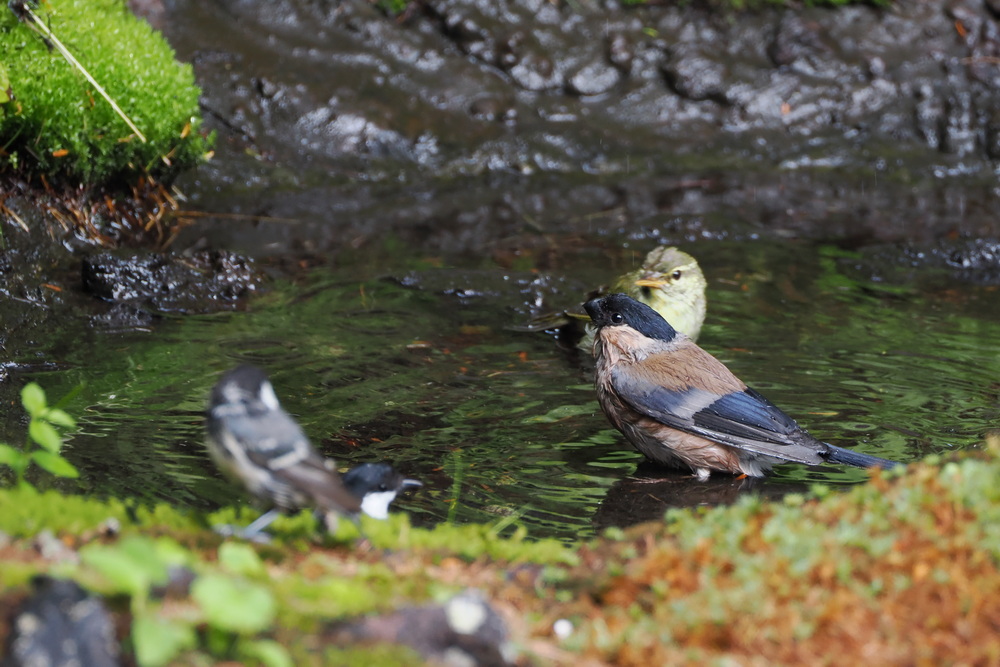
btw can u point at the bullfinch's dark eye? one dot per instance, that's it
(617, 318)
(677, 274)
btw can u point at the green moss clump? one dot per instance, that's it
(58, 124)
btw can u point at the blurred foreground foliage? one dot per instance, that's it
(901, 569)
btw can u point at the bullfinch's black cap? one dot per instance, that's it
(622, 310)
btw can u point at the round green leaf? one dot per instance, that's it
(55, 464)
(33, 398)
(45, 435)
(234, 604)
(131, 566)
(158, 641)
(10, 456)
(268, 652)
(240, 558)
(59, 418)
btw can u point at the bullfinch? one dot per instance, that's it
(682, 408)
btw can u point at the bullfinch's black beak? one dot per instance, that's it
(682, 408)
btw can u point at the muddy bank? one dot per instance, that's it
(461, 124)
(468, 128)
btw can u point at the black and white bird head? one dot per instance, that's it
(245, 390)
(621, 310)
(377, 485)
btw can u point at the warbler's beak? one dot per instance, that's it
(649, 282)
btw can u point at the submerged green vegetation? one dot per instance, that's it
(54, 121)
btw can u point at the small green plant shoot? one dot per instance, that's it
(43, 433)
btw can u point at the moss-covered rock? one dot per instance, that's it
(57, 123)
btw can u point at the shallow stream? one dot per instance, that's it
(414, 364)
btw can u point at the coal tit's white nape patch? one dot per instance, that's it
(267, 396)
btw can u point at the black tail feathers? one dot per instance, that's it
(840, 455)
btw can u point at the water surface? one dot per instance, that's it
(414, 364)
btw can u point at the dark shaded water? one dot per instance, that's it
(414, 365)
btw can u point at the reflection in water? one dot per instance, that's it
(650, 491)
(499, 424)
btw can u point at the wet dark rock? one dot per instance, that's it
(982, 62)
(621, 50)
(593, 78)
(461, 124)
(153, 11)
(351, 122)
(979, 256)
(929, 116)
(993, 134)
(799, 44)
(61, 625)
(464, 631)
(492, 109)
(200, 282)
(123, 317)
(696, 77)
(959, 133)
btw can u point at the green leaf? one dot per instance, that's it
(234, 604)
(240, 558)
(60, 418)
(33, 399)
(14, 458)
(267, 651)
(131, 566)
(55, 464)
(9, 456)
(158, 641)
(45, 435)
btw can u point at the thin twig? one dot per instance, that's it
(20, 223)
